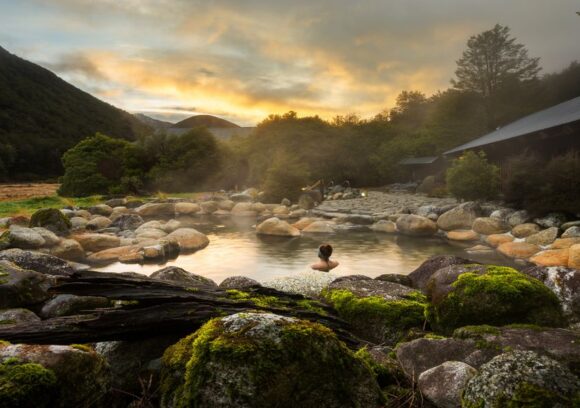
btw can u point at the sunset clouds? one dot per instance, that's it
(245, 59)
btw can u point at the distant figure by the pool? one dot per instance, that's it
(325, 264)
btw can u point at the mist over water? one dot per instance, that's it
(235, 249)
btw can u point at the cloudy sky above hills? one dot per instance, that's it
(245, 59)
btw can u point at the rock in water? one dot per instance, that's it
(277, 227)
(416, 225)
(522, 379)
(265, 360)
(460, 217)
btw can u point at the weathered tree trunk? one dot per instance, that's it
(156, 307)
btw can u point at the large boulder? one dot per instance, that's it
(152, 210)
(67, 305)
(21, 237)
(189, 239)
(51, 219)
(265, 360)
(37, 261)
(72, 376)
(420, 276)
(379, 311)
(522, 379)
(416, 225)
(68, 249)
(476, 294)
(443, 384)
(460, 217)
(277, 227)
(20, 287)
(182, 277)
(97, 242)
(543, 238)
(490, 225)
(565, 283)
(238, 282)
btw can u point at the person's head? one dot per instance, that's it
(324, 252)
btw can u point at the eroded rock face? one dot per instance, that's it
(182, 277)
(420, 276)
(20, 287)
(443, 384)
(265, 360)
(519, 376)
(37, 261)
(277, 227)
(82, 377)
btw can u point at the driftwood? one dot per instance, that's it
(154, 307)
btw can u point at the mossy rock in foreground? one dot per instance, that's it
(265, 360)
(495, 296)
(51, 219)
(381, 319)
(522, 379)
(26, 385)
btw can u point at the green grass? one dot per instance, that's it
(29, 206)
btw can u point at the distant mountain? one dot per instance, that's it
(208, 121)
(42, 116)
(153, 123)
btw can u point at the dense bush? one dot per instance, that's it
(285, 179)
(101, 165)
(471, 177)
(183, 162)
(543, 186)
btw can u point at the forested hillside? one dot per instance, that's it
(42, 116)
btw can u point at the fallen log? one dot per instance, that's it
(155, 307)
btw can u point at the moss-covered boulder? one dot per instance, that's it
(420, 276)
(82, 376)
(20, 287)
(26, 385)
(379, 311)
(490, 295)
(522, 379)
(264, 360)
(51, 219)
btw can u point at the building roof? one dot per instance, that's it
(557, 115)
(418, 160)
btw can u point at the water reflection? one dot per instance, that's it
(235, 249)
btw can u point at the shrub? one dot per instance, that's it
(285, 179)
(471, 177)
(98, 164)
(541, 186)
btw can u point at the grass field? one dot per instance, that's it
(30, 205)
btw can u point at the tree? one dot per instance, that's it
(101, 165)
(471, 177)
(492, 60)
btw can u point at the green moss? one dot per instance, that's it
(275, 302)
(375, 316)
(304, 358)
(82, 347)
(498, 297)
(26, 385)
(433, 336)
(468, 332)
(4, 343)
(533, 327)
(387, 371)
(8, 321)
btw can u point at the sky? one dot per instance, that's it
(246, 59)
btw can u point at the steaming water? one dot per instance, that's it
(235, 249)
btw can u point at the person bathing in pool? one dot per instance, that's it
(324, 264)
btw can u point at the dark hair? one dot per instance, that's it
(324, 251)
